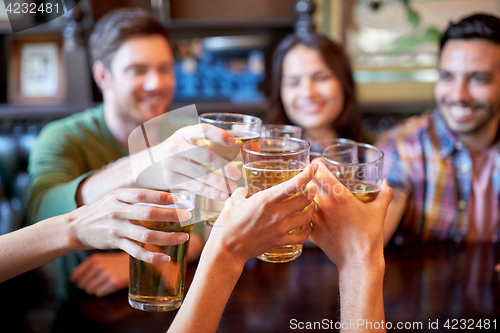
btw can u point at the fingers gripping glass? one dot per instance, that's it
(160, 287)
(267, 163)
(243, 128)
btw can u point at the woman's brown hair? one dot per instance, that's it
(348, 123)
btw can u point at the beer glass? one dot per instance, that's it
(358, 166)
(285, 131)
(160, 287)
(318, 146)
(267, 163)
(243, 128)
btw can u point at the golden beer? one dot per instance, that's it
(262, 175)
(160, 287)
(243, 136)
(363, 191)
(210, 209)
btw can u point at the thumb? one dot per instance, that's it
(324, 179)
(287, 189)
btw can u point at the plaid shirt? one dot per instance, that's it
(423, 157)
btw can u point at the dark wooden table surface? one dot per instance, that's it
(423, 284)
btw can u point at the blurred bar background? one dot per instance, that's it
(223, 51)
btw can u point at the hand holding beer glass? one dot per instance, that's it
(358, 166)
(267, 163)
(243, 128)
(160, 287)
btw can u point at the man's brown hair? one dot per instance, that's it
(116, 27)
(478, 26)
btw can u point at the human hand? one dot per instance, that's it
(247, 228)
(195, 247)
(184, 165)
(106, 224)
(346, 229)
(102, 274)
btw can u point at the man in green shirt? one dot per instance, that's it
(80, 159)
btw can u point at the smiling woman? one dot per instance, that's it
(314, 88)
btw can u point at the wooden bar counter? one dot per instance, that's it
(428, 284)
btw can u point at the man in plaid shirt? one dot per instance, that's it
(444, 165)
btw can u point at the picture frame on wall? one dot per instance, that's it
(36, 74)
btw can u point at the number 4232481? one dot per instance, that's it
(31, 8)
(470, 324)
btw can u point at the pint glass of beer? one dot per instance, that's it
(243, 128)
(267, 163)
(358, 166)
(160, 287)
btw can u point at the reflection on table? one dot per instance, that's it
(422, 283)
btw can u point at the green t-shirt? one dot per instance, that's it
(68, 151)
